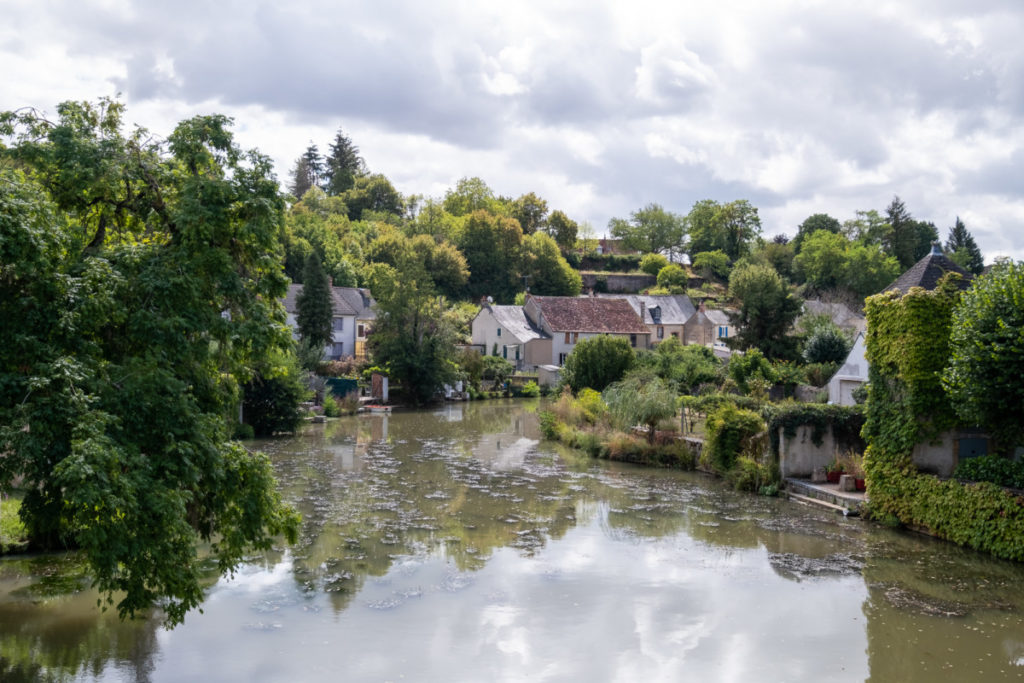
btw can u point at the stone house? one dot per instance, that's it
(507, 331)
(707, 327)
(664, 315)
(566, 320)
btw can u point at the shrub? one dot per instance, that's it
(750, 366)
(673, 276)
(712, 264)
(243, 432)
(818, 374)
(827, 345)
(331, 408)
(530, 390)
(731, 431)
(598, 361)
(13, 535)
(592, 405)
(343, 367)
(994, 469)
(750, 475)
(653, 263)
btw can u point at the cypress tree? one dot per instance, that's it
(314, 305)
(962, 248)
(343, 165)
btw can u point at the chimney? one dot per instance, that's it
(701, 308)
(643, 310)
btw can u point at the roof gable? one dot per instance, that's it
(927, 272)
(345, 301)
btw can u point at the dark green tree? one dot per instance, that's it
(343, 165)
(314, 310)
(563, 229)
(985, 374)
(650, 230)
(140, 287)
(961, 247)
(909, 240)
(372, 193)
(767, 310)
(826, 345)
(531, 211)
(730, 227)
(596, 362)
(308, 172)
(493, 249)
(546, 271)
(412, 336)
(811, 225)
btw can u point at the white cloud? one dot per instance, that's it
(598, 107)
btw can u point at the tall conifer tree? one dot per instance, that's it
(314, 311)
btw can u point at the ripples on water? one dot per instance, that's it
(453, 545)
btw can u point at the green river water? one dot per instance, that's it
(453, 545)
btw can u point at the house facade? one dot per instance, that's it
(352, 317)
(664, 315)
(851, 375)
(707, 327)
(567, 320)
(507, 332)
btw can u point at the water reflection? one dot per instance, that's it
(451, 544)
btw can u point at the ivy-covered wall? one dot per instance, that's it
(908, 348)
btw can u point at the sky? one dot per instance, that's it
(599, 107)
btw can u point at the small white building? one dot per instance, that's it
(852, 375)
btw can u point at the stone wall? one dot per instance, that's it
(619, 283)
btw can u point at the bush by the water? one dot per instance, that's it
(992, 468)
(731, 432)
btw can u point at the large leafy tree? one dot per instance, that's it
(531, 211)
(650, 230)
(985, 375)
(546, 270)
(412, 336)
(563, 230)
(314, 311)
(962, 248)
(811, 225)
(140, 284)
(492, 246)
(767, 310)
(596, 362)
(730, 227)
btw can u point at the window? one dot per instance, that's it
(723, 332)
(561, 358)
(504, 352)
(499, 331)
(339, 324)
(361, 330)
(568, 337)
(337, 349)
(661, 332)
(632, 340)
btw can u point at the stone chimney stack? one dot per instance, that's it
(643, 311)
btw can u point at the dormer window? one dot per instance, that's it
(656, 313)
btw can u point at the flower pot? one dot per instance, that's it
(859, 481)
(833, 477)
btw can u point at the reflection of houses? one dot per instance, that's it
(353, 314)
(507, 332)
(566, 320)
(665, 316)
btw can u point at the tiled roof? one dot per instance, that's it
(513, 319)
(667, 309)
(590, 314)
(344, 301)
(927, 272)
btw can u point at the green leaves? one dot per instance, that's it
(139, 288)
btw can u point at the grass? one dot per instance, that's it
(12, 531)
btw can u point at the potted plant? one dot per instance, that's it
(833, 470)
(853, 463)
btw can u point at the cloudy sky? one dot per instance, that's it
(600, 107)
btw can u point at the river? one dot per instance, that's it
(454, 545)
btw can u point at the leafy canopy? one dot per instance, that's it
(140, 285)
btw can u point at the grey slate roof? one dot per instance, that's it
(665, 309)
(513, 319)
(927, 272)
(344, 301)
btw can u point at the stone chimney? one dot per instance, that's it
(701, 308)
(643, 311)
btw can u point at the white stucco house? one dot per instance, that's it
(353, 315)
(507, 332)
(850, 376)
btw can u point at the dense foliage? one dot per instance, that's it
(908, 347)
(314, 310)
(767, 310)
(985, 377)
(140, 285)
(992, 468)
(640, 398)
(596, 362)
